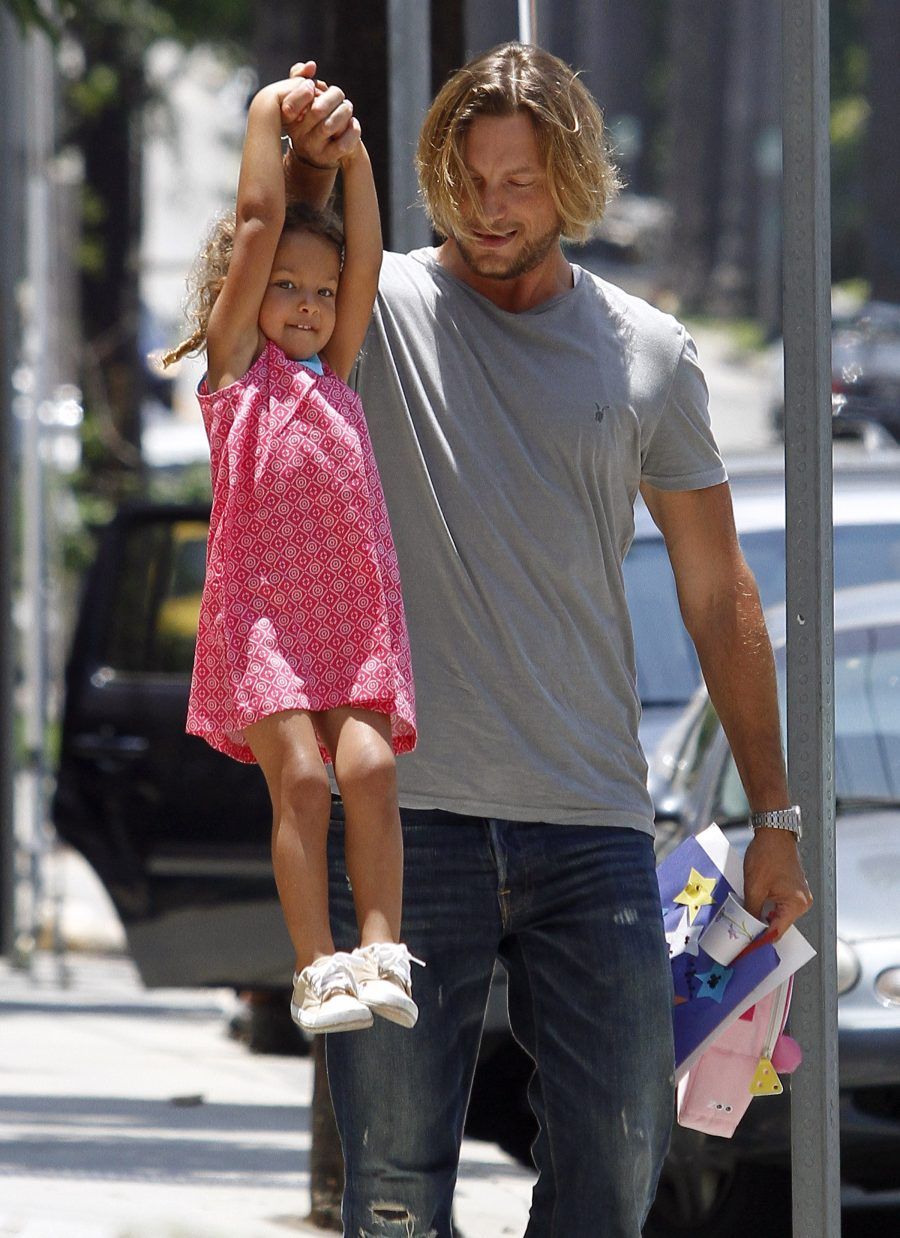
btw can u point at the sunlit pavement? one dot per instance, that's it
(132, 1114)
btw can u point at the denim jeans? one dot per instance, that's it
(573, 913)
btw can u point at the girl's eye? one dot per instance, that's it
(326, 292)
(284, 283)
(521, 184)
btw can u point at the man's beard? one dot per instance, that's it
(531, 256)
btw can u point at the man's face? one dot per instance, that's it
(502, 157)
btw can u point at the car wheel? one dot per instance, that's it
(498, 1107)
(718, 1197)
(264, 1024)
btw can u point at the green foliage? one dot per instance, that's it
(98, 89)
(849, 117)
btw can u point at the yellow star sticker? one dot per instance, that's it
(697, 893)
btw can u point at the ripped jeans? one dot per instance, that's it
(573, 913)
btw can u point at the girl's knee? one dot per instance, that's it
(372, 770)
(304, 790)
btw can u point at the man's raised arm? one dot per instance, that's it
(326, 133)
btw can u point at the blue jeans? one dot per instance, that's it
(573, 913)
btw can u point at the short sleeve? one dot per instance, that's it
(681, 453)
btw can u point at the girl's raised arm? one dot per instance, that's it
(362, 262)
(233, 335)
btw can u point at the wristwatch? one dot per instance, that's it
(779, 819)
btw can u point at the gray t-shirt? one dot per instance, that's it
(511, 447)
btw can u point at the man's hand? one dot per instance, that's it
(327, 132)
(294, 96)
(774, 875)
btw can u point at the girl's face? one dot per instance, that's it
(297, 311)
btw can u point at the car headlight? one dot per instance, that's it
(887, 987)
(847, 967)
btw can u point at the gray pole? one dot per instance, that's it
(528, 21)
(12, 95)
(810, 674)
(409, 85)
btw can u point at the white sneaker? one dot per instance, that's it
(383, 980)
(325, 997)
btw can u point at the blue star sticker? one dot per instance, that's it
(714, 982)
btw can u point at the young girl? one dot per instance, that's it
(302, 651)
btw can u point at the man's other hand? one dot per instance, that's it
(774, 879)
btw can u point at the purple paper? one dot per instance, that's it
(697, 1015)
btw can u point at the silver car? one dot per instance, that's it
(698, 782)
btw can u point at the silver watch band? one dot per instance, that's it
(779, 819)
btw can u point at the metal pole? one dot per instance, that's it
(12, 95)
(528, 26)
(32, 406)
(409, 78)
(810, 588)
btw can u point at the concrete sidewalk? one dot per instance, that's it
(132, 1114)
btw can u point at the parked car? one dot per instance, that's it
(865, 374)
(711, 1184)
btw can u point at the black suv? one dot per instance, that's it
(178, 834)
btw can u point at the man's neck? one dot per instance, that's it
(552, 277)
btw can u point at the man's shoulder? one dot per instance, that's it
(400, 271)
(631, 315)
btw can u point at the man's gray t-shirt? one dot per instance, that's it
(511, 448)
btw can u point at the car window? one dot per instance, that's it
(667, 667)
(867, 713)
(863, 554)
(691, 755)
(153, 627)
(866, 722)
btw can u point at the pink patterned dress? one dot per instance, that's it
(301, 607)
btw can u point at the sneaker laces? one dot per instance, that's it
(392, 959)
(329, 975)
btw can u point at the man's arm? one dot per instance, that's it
(721, 610)
(325, 135)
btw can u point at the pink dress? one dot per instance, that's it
(301, 607)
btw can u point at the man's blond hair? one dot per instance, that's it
(568, 124)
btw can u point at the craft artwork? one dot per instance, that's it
(743, 1062)
(721, 964)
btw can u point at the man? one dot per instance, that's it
(517, 404)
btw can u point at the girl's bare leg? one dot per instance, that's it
(286, 748)
(360, 743)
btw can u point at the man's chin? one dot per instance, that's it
(503, 266)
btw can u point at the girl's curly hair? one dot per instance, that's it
(207, 275)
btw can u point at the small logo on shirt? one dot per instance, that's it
(599, 413)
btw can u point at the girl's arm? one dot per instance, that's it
(233, 337)
(320, 138)
(362, 262)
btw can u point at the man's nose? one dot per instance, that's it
(492, 203)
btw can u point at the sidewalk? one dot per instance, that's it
(132, 1114)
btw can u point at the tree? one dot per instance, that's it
(882, 163)
(102, 109)
(698, 38)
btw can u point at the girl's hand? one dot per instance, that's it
(327, 133)
(293, 97)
